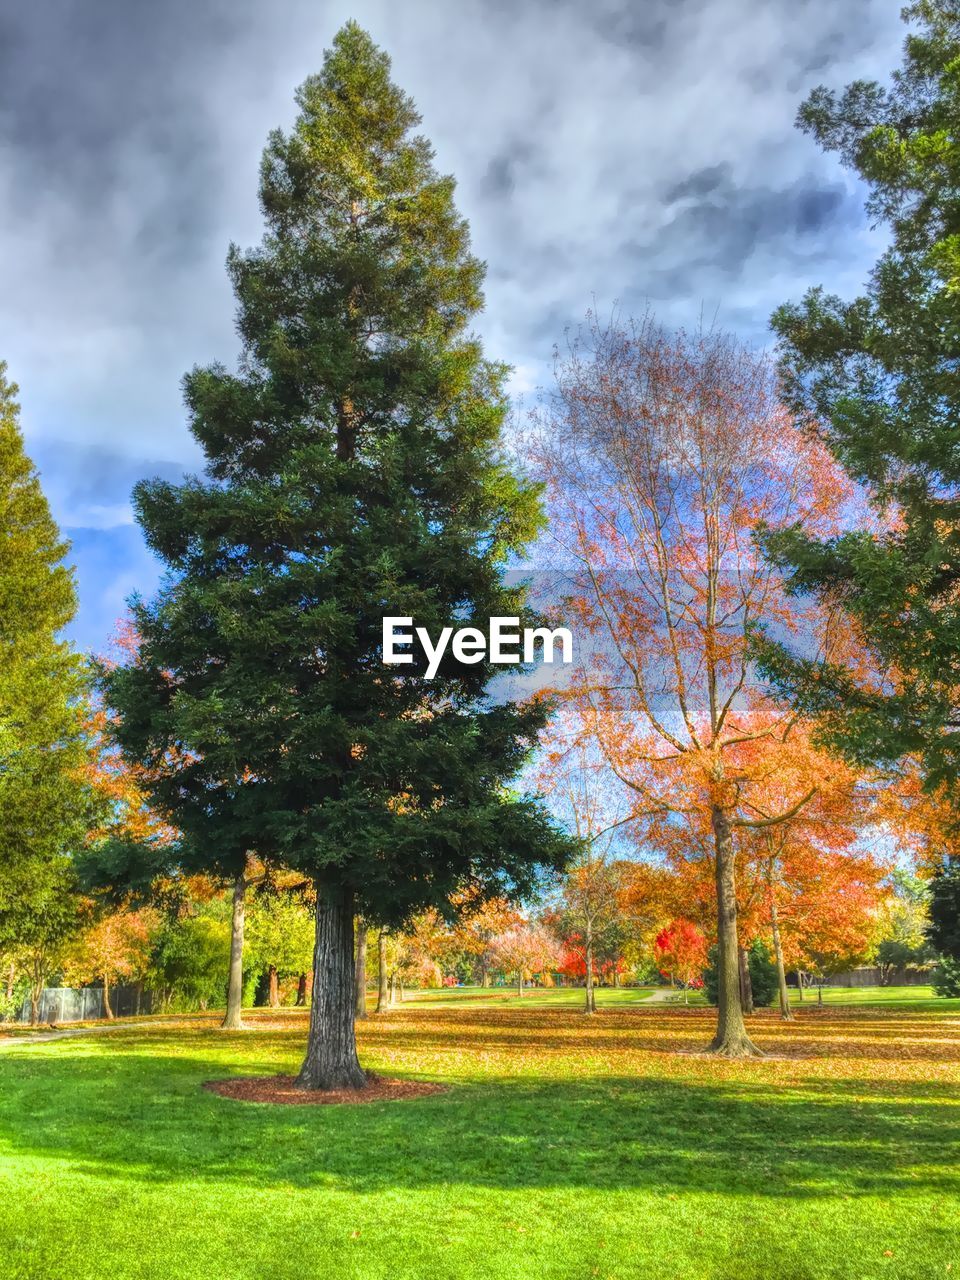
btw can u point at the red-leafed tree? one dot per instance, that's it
(680, 951)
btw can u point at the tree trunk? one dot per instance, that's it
(519, 982)
(590, 1004)
(800, 985)
(232, 1020)
(484, 974)
(382, 994)
(107, 1009)
(302, 989)
(11, 979)
(746, 986)
(273, 987)
(785, 1011)
(393, 989)
(731, 1039)
(331, 1059)
(360, 1009)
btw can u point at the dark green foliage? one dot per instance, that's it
(122, 871)
(188, 965)
(354, 470)
(763, 974)
(46, 805)
(946, 977)
(944, 907)
(878, 378)
(711, 977)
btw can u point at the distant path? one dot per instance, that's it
(664, 995)
(44, 1037)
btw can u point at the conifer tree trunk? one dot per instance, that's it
(731, 1039)
(382, 993)
(331, 1058)
(361, 973)
(232, 1020)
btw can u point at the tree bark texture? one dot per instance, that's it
(785, 1011)
(232, 1020)
(331, 1059)
(590, 1005)
(360, 1009)
(383, 996)
(746, 986)
(731, 1039)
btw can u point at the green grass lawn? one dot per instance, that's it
(914, 996)
(533, 997)
(565, 1148)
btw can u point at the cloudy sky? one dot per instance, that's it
(610, 151)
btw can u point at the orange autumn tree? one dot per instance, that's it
(478, 921)
(811, 887)
(662, 454)
(680, 951)
(115, 942)
(115, 947)
(806, 884)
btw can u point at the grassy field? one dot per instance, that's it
(533, 997)
(565, 1148)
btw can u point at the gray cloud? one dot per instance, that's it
(618, 150)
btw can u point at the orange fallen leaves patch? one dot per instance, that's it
(281, 1089)
(869, 1045)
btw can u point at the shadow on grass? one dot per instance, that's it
(143, 1116)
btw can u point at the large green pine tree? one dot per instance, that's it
(354, 470)
(879, 378)
(45, 801)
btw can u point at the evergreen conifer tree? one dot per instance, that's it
(877, 377)
(354, 471)
(45, 802)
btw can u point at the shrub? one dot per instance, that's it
(763, 974)
(946, 977)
